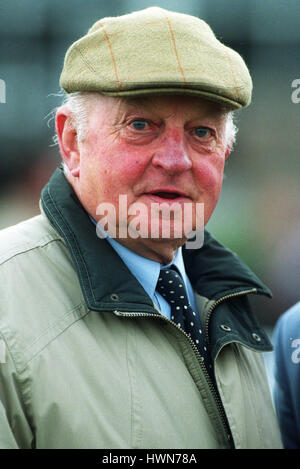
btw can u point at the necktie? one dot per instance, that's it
(171, 286)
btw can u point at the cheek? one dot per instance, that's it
(127, 166)
(209, 175)
(209, 179)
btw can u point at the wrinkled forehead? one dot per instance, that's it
(163, 105)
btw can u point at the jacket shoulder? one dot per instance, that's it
(39, 288)
(25, 236)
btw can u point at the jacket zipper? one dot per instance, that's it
(203, 367)
(220, 300)
(211, 385)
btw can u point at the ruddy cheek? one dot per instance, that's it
(209, 178)
(130, 163)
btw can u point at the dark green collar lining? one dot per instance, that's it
(108, 285)
(215, 271)
(106, 281)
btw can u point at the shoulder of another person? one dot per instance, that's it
(287, 335)
(290, 318)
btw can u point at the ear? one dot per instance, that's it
(67, 139)
(228, 151)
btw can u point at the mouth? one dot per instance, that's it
(167, 194)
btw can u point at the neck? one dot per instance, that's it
(161, 251)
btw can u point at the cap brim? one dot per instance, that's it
(232, 105)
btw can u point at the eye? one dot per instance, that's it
(202, 132)
(139, 124)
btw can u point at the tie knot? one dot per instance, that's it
(170, 285)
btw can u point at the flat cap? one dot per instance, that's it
(156, 51)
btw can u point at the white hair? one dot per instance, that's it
(231, 129)
(77, 103)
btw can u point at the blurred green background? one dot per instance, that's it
(258, 215)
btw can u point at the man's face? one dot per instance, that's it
(159, 149)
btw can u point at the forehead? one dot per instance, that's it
(161, 105)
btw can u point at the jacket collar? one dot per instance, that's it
(214, 271)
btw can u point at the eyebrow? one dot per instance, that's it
(135, 102)
(141, 103)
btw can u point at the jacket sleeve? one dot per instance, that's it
(287, 381)
(7, 439)
(15, 429)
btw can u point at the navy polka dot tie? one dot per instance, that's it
(170, 285)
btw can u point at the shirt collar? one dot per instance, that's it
(146, 271)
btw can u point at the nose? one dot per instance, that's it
(172, 155)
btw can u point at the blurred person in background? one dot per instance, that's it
(287, 376)
(135, 341)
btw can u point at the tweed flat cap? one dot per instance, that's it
(156, 51)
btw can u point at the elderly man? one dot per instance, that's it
(115, 336)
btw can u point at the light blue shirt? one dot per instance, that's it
(146, 271)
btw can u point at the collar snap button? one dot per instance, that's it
(114, 297)
(256, 337)
(225, 328)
